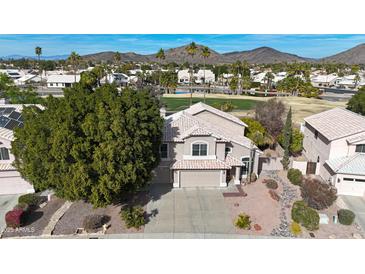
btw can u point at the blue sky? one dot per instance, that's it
(305, 45)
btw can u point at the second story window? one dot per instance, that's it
(4, 153)
(200, 149)
(164, 151)
(360, 148)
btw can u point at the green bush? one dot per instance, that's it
(295, 176)
(345, 216)
(304, 215)
(133, 217)
(251, 178)
(243, 221)
(295, 228)
(271, 184)
(31, 199)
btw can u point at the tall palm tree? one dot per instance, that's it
(205, 53)
(191, 50)
(161, 56)
(117, 58)
(38, 52)
(74, 59)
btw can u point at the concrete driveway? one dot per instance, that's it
(188, 210)
(7, 202)
(357, 205)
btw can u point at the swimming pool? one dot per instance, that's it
(181, 91)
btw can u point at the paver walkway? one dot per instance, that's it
(55, 218)
(188, 210)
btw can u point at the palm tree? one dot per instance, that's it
(74, 59)
(191, 51)
(205, 53)
(117, 58)
(268, 78)
(161, 56)
(38, 52)
(357, 79)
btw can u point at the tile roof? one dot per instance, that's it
(6, 167)
(337, 123)
(182, 124)
(200, 164)
(354, 164)
(199, 107)
(233, 161)
(7, 134)
(356, 139)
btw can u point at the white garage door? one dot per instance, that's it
(351, 186)
(12, 183)
(201, 178)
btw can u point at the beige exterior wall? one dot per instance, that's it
(315, 147)
(222, 122)
(221, 150)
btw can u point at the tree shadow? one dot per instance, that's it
(32, 217)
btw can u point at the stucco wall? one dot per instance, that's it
(221, 122)
(207, 139)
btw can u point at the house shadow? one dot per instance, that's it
(32, 217)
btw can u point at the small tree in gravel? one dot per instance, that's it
(243, 221)
(287, 137)
(295, 176)
(318, 195)
(345, 216)
(133, 217)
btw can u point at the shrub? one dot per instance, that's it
(31, 199)
(295, 176)
(243, 221)
(345, 216)
(274, 195)
(14, 218)
(318, 195)
(94, 222)
(251, 178)
(305, 215)
(271, 184)
(133, 216)
(295, 229)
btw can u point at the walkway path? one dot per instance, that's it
(55, 218)
(288, 195)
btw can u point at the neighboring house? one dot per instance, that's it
(335, 139)
(347, 82)
(205, 147)
(324, 80)
(14, 74)
(183, 76)
(10, 180)
(61, 80)
(118, 78)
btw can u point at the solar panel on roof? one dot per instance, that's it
(8, 110)
(3, 121)
(12, 124)
(14, 115)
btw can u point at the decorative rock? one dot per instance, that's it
(257, 227)
(332, 236)
(356, 236)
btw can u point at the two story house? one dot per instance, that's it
(205, 147)
(335, 139)
(11, 181)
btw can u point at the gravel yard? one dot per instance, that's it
(36, 221)
(74, 216)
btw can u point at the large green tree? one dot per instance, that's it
(357, 102)
(94, 144)
(256, 132)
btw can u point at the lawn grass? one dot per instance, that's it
(177, 104)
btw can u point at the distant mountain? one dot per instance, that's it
(179, 55)
(109, 56)
(17, 57)
(265, 55)
(262, 55)
(355, 55)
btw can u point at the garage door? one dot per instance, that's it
(201, 178)
(351, 188)
(12, 183)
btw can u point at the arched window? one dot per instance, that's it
(199, 148)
